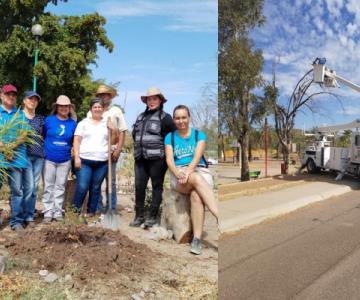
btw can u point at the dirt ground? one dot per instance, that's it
(230, 173)
(232, 190)
(94, 263)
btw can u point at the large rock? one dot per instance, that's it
(51, 277)
(176, 216)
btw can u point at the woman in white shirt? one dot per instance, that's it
(91, 154)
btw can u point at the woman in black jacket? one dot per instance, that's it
(148, 133)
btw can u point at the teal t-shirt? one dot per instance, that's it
(184, 148)
(18, 120)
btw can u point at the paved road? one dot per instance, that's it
(313, 253)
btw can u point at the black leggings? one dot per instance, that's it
(145, 169)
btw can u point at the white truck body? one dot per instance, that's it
(321, 156)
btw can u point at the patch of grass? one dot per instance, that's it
(22, 264)
(73, 218)
(20, 286)
(37, 292)
(48, 293)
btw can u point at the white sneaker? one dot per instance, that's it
(196, 246)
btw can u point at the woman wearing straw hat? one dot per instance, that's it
(149, 132)
(106, 94)
(59, 131)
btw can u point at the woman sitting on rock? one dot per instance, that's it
(184, 150)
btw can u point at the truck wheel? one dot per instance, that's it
(311, 167)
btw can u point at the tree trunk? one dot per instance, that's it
(250, 151)
(245, 176)
(223, 147)
(286, 157)
(176, 216)
(244, 112)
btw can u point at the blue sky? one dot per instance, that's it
(298, 31)
(169, 44)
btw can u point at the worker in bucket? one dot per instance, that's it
(148, 133)
(190, 175)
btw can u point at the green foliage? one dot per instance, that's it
(343, 140)
(20, 13)
(238, 17)
(20, 264)
(240, 67)
(239, 72)
(69, 44)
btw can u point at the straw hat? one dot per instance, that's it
(64, 100)
(153, 91)
(104, 89)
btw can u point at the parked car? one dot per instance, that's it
(212, 161)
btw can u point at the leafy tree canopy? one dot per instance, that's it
(236, 18)
(67, 48)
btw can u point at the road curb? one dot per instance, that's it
(260, 190)
(242, 221)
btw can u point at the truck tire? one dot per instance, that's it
(311, 167)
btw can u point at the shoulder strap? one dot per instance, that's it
(203, 156)
(172, 140)
(140, 117)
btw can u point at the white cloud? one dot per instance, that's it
(343, 39)
(350, 111)
(351, 28)
(290, 29)
(319, 24)
(186, 15)
(334, 7)
(329, 33)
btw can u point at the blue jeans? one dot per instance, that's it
(35, 169)
(100, 206)
(89, 178)
(21, 186)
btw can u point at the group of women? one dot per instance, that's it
(160, 142)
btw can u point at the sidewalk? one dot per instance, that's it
(245, 211)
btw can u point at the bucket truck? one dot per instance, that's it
(321, 155)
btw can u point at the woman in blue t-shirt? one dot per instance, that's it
(184, 151)
(59, 129)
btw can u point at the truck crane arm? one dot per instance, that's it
(324, 75)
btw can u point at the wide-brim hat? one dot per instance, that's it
(104, 89)
(153, 91)
(64, 100)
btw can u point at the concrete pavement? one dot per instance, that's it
(245, 211)
(312, 253)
